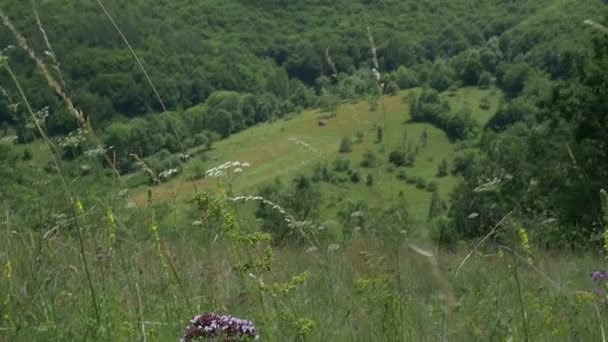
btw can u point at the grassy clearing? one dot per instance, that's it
(287, 147)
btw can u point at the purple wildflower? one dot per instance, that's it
(599, 276)
(601, 281)
(227, 328)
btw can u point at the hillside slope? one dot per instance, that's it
(286, 148)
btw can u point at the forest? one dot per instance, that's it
(347, 134)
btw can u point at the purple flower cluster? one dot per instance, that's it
(601, 280)
(224, 327)
(599, 276)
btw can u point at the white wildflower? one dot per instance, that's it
(333, 247)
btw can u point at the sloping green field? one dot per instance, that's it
(287, 147)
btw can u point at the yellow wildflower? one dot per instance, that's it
(111, 226)
(525, 243)
(8, 269)
(79, 208)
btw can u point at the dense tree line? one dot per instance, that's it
(543, 156)
(193, 49)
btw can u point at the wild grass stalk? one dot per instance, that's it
(520, 297)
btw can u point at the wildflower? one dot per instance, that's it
(79, 208)
(601, 281)
(525, 243)
(599, 276)
(154, 230)
(333, 247)
(8, 269)
(111, 226)
(227, 169)
(214, 326)
(166, 174)
(604, 203)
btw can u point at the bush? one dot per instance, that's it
(138, 179)
(341, 164)
(442, 232)
(369, 159)
(462, 163)
(485, 103)
(369, 180)
(379, 135)
(485, 80)
(398, 158)
(431, 187)
(346, 145)
(420, 183)
(340, 179)
(360, 136)
(197, 170)
(321, 173)
(355, 178)
(392, 88)
(406, 78)
(27, 154)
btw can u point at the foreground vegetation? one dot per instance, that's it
(146, 284)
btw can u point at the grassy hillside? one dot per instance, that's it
(285, 148)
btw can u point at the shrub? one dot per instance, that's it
(442, 232)
(485, 103)
(346, 145)
(340, 179)
(398, 158)
(420, 183)
(355, 178)
(369, 159)
(392, 88)
(369, 180)
(27, 154)
(431, 187)
(406, 78)
(138, 179)
(321, 173)
(379, 135)
(360, 136)
(197, 170)
(341, 164)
